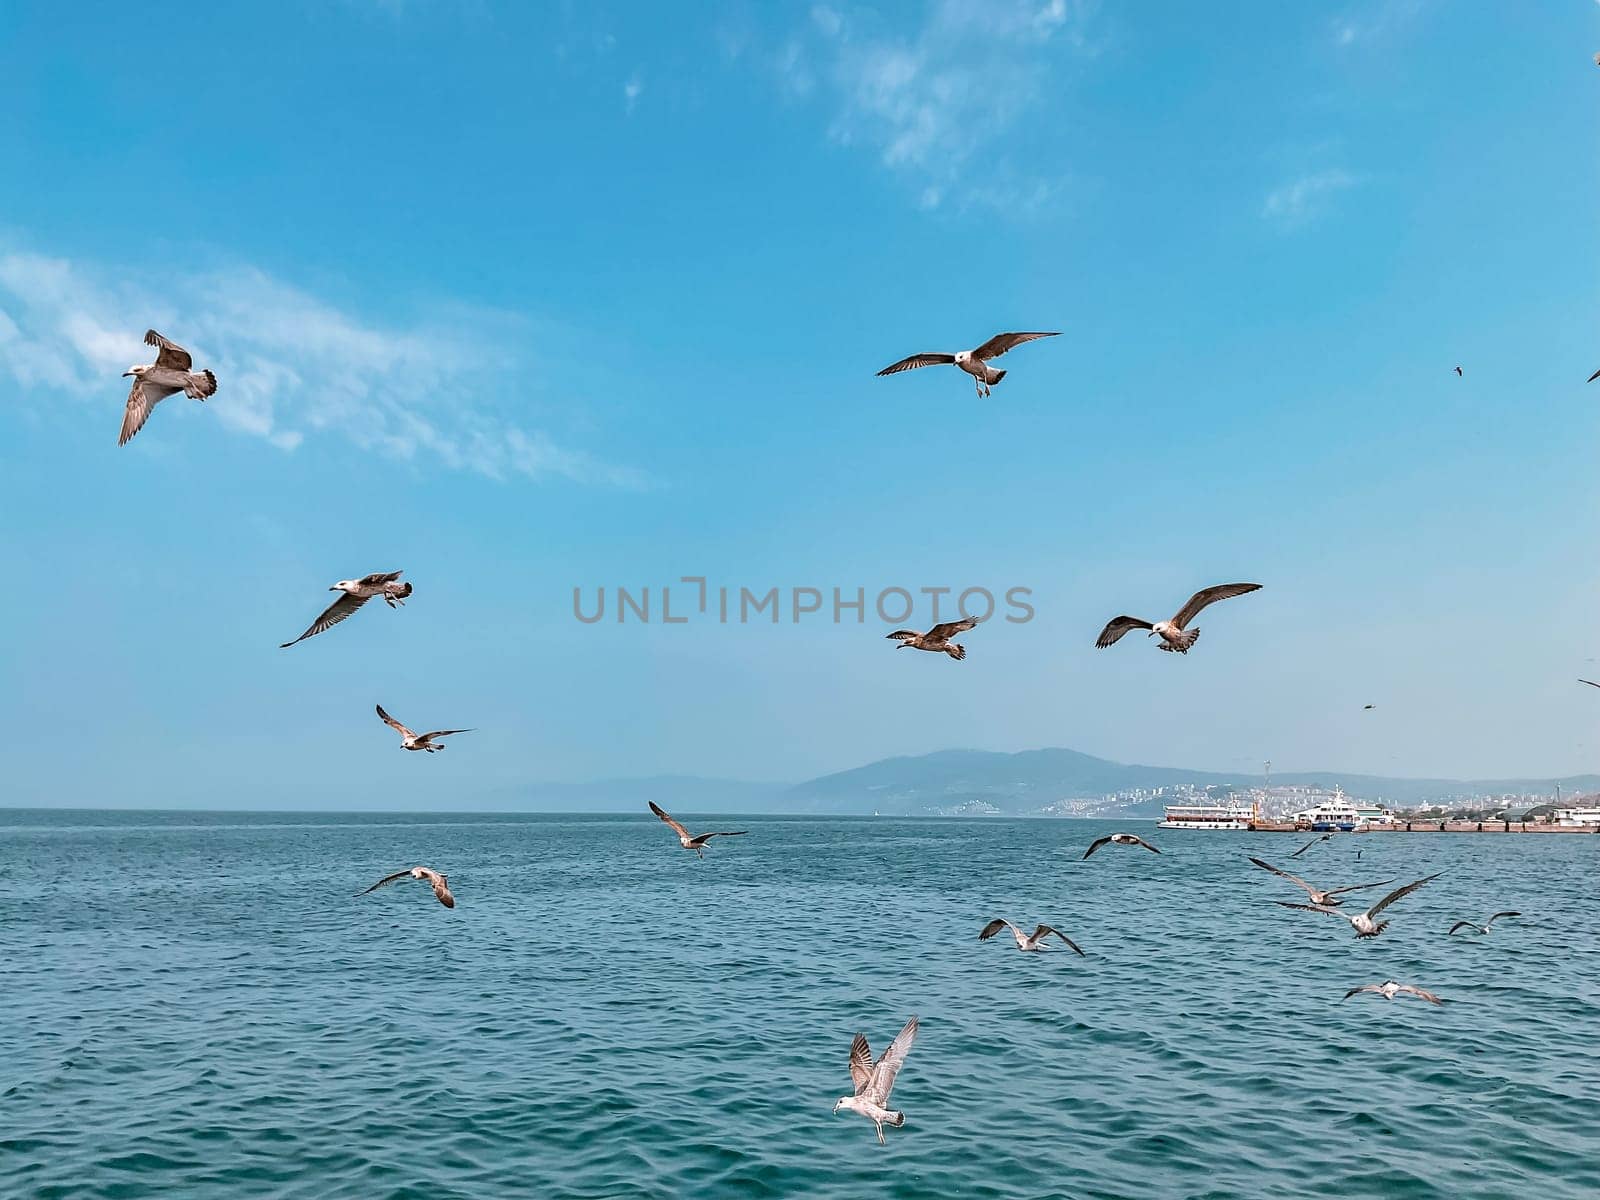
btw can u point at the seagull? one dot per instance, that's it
(1365, 707)
(1389, 989)
(1362, 922)
(1310, 844)
(410, 740)
(1458, 370)
(435, 880)
(154, 382)
(1329, 898)
(874, 1081)
(1121, 839)
(692, 843)
(356, 593)
(1484, 928)
(1174, 636)
(1025, 941)
(973, 362)
(936, 639)
(1590, 682)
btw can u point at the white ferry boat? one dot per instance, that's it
(1341, 815)
(1235, 814)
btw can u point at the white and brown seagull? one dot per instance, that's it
(1119, 839)
(1389, 989)
(875, 1080)
(1173, 634)
(171, 373)
(434, 879)
(1329, 898)
(356, 593)
(1363, 922)
(1025, 941)
(695, 842)
(973, 362)
(936, 640)
(1484, 928)
(410, 740)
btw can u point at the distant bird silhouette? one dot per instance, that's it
(973, 362)
(1174, 636)
(1389, 989)
(1310, 844)
(1330, 898)
(416, 741)
(1458, 370)
(1030, 941)
(1484, 928)
(356, 593)
(937, 640)
(685, 839)
(1363, 922)
(434, 879)
(1365, 707)
(171, 373)
(1590, 682)
(874, 1081)
(1120, 839)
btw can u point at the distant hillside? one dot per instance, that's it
(688, 793)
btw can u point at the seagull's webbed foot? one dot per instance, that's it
(881, 1142)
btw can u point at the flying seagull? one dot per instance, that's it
(1362, 922)
(874, 1081)
(1389, 989)
(170, 374)
(1121, 839)
(1484, 928)
(1329, 898)
(697, 842)
(356, 593)
(1174, 636)
(1025, 941)
(936, 639)
(410, 740)
(973, 362)
(1458, 370)
(1310, 844)
(1365, 707)
(435, 880)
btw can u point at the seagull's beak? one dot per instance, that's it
(125, 374)
(1152, 633)
(333, 589)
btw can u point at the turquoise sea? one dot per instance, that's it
(197, 1005)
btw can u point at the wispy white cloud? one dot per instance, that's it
(937, 102)
(1302, 200)
(1374, 21)
(631, 91)
(290, 365)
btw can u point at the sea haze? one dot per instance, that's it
(198, 1005)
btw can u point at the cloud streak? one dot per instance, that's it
(1301, 201)
(290, 365)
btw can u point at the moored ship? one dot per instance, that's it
(1233, 815)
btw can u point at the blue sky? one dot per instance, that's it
(527, 298)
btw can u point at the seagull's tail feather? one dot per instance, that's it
(402, 592)
(895, 1119)
(999, 373)
(1379, 928)
(1184, 640)
(956, 651)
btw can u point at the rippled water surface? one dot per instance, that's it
(197, 1005)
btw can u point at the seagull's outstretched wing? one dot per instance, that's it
(1307, 846)
(667, 817)
(992, 928)
(1096, 844)
(1265, 866)
(1139, 841)
(387, 880)
(1357, 887)
(172, 355)
(1319, 908)
(915, 361)
(1496, 916)
(948, 629)
(1590, 682)
(1400, 893)
(860, 1063)
(1420, 993)
(1046, 930)
(706, 837)
(888, 1067)
(439, 733)
(1001, 342)
(331, 616)
(379, 578)
(1210, 595)
(902, 635)
(143, 396)
(1596, 375)
(393, 724)
(1462, 925)
(1118, 626)
(1365, 987)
